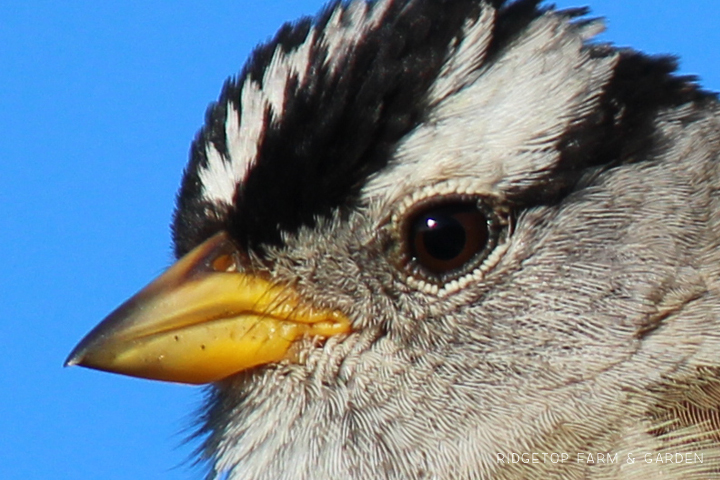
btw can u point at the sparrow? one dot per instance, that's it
(434, 239)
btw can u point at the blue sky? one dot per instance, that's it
(98, 104)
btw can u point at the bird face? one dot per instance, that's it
(417, 235)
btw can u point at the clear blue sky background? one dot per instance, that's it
(98, 104)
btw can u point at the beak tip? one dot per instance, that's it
(75, 358)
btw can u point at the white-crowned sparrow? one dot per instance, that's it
(427, 239)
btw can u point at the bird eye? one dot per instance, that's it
(448, 239)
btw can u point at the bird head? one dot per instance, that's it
(414, 234)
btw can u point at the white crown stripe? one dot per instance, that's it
(244, 130)
(341, 35)
(494, 116)
(461, 66)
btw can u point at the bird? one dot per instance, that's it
(434, 239)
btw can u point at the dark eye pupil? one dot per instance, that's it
(445, 238)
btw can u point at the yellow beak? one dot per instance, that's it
(202, 321)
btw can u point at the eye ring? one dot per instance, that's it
(443, 239)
